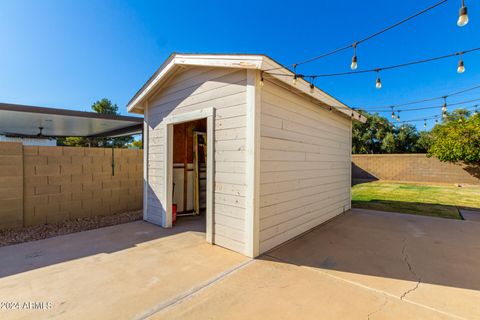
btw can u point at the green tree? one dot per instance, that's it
(406, 139)
(388, 143)
(368, 137)
(457, 140)
(378, 135)
(137, 144)
(103, 106)
(455, 115)
(424, 141)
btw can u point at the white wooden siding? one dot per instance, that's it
(193, 89)
(304, 165)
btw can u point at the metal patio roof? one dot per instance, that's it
(26, 121)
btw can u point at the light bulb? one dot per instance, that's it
(312, 88)
(330, 109)
(462, 17)
(425, 124)
(261, 82)
(354, 64)
(393, 115)
(461, 66)
(398, 117)
(444, 108)
(378, 83)
(294, 81)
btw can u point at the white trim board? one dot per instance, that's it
(145, 166)
(252, 219)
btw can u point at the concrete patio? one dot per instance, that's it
(361, 265)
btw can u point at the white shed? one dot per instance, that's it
(276, 155)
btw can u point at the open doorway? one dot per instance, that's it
(189, 142)
(189, 174)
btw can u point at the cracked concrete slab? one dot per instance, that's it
(270, 289)
(431, 262)
(361, 265)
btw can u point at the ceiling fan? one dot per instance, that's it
(39, 135)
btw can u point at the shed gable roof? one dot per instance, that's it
(241, 61)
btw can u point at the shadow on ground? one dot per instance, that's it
(418, 208)
(363, 244)
(28, 256)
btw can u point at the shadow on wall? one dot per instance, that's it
(360, 176)
(359, 245)
(412, 168)
(473, 170)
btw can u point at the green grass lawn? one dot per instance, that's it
(429, 200)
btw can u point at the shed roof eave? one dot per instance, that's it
(243, 61)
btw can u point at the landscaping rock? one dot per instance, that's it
(14, 236)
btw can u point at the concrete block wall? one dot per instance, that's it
(71, 182)
(412, 167)
(11, 185)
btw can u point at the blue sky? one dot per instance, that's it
(68, 54)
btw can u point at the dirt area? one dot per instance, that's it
(14, 236)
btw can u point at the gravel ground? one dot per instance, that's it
(14, 236)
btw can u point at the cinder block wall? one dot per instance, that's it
(70, 182)
(412, 167)
(11, 185)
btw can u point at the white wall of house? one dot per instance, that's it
(30, 141)
(196, 88)
(304, 165)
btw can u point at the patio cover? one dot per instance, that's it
(30, 121)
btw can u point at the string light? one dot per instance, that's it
(351, 45)
(462, 15)
(294, 81)
(378, 82)
(312, 86)
(461, 65)
(425, 100)
(261, 79)
(393, 114)
(444, 106)
(475, 111)
(398, 116)
(433, 117)
(354, 64)
(424, 123)
(376, 70)
(430, 107)
(330, 109)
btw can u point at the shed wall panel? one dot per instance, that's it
(304, 165)
(190, 90)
